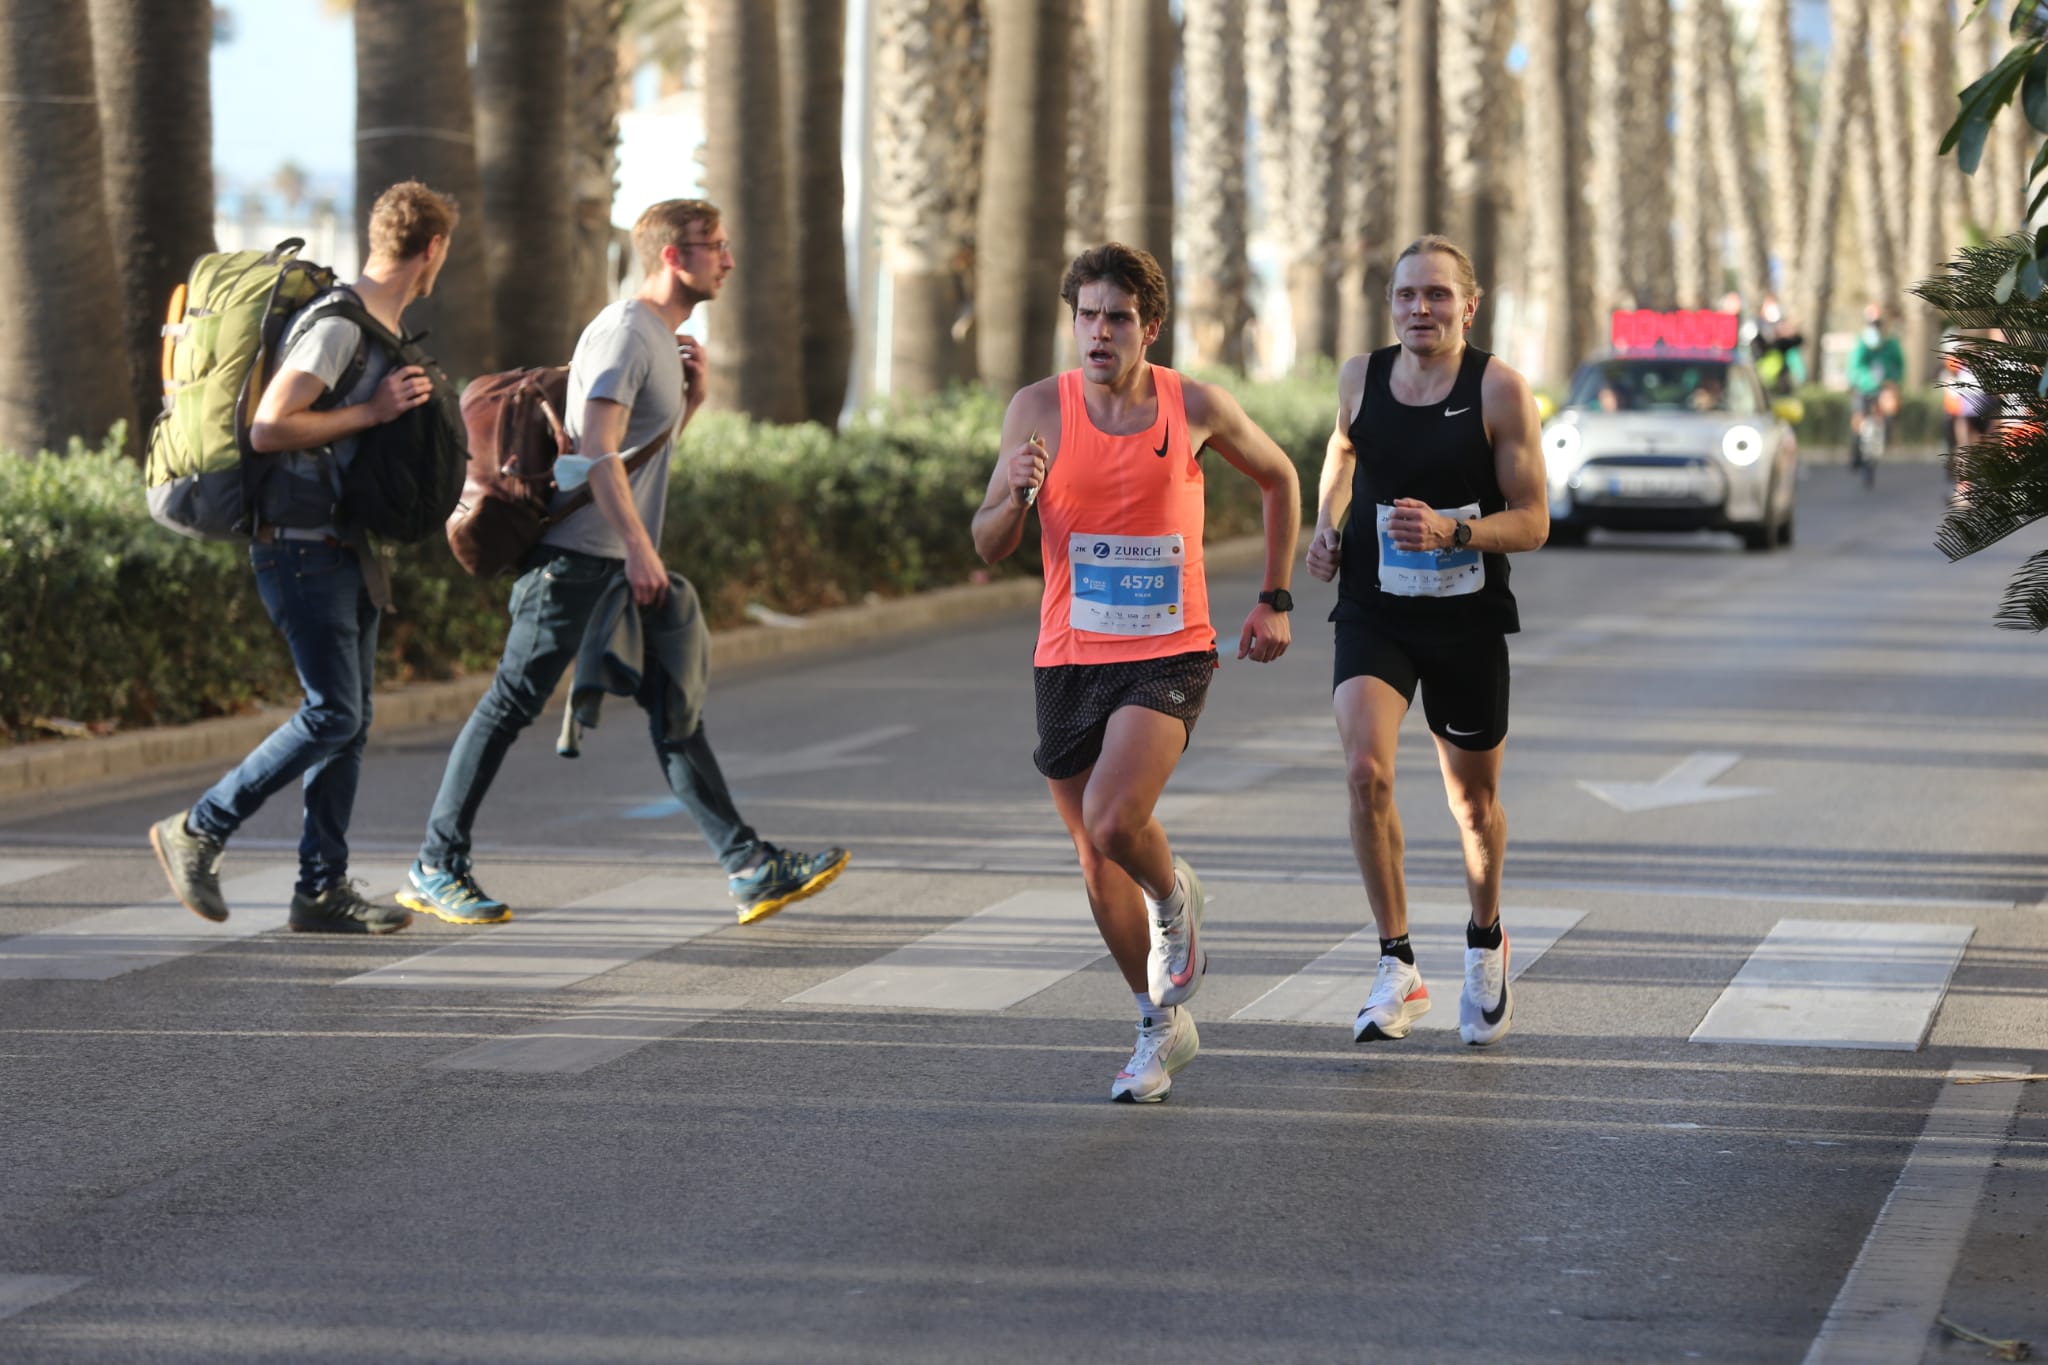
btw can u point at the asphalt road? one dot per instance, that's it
(243, 1153)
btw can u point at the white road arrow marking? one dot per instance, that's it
(1684, 785)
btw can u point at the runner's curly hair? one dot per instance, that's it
(408, 216)
(1126, 267)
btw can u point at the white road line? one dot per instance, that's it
(1838, 983)
(558, 948)
(1888, 1304)
(989, 961)
(600, 1033)
(14, 870)
(1330, 989)
(19, 1293)
(117, 942)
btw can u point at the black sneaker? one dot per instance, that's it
(341, 909)
(191, 859)
(784, 876)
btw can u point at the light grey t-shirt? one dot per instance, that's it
(628, 356)
(302, 491)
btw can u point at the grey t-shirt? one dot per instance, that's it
(627, 355)
(302, 490)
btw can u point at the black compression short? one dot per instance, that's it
(1463, 675)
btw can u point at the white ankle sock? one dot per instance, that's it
(1147, 1011)
(1175, 902)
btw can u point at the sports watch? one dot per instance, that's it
(1279, 599)
(1462, 536)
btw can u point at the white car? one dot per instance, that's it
(1671, 441)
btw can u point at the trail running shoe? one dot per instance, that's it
(1178, 960)
(451, 896)
(784, 876)
(341, 909)
(191, 859)
(1163, 1048)
(1398, 999)
(1486, 1008)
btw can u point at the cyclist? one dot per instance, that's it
(1876, 366)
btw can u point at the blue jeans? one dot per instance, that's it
(314, 593)
(551, 604)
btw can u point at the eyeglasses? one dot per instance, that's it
(721, 247)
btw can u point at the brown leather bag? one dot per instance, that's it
(516, 434)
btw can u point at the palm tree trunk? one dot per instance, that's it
(1931, 36)
(1473, 41)
(1784, 153)
(1892, 147)
(1266, 81)
(813, 90)
(156, 126)
(415, 120)
(1733, 161)
(758, 370)
(1983, 43)
(1418, 199)
(1548, 89)
(1143, 51)
(1873, 236)
(1817, 248)
(1315, 146)
(522, 136)
(1371, 37)
(1021, 223)
(1219, 267)
(63, 352)
(591, 64)
(1652, 257)
(1612, 175)
(1698, 257)
(929, 73)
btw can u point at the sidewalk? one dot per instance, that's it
(53, 765)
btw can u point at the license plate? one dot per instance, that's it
(1651, 483)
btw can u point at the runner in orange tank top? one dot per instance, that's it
(1110, 456)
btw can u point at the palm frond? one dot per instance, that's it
(2026, 597)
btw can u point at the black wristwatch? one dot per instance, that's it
(1279, 599)
(1461, 537)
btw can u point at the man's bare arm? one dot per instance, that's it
(1516, 429)
(1333, 486)
(286, 419)
(602, 433)
(1031, 430)
(1250, 450)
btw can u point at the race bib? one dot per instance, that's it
(1429, 573)
(1125, 585)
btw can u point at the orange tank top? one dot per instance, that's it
(1120, 528)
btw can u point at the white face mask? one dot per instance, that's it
(1871, 335)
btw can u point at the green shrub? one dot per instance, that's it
(107, 618)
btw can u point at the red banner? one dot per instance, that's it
(1690, 329)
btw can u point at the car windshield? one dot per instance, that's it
(1653, 384)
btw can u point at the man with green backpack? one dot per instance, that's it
(299, 425)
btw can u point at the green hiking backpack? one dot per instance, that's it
(222, 334)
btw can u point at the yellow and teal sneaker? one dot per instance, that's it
(782, 877)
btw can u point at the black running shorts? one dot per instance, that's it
(1463, 676)
(1075, 702)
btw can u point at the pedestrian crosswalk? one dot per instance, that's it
(551, 949)
(117, 942)
(1330, 989)
(1800, 982)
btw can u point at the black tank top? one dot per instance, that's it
(1441, 455)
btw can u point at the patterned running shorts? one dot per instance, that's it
(1075, 702)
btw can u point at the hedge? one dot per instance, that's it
(108, 620)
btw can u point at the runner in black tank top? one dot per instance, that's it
(1433, 478)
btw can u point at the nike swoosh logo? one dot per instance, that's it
(1462, 734)
(1453, 412)
(1164, 438)
(1500, 1007)
(1194, 957)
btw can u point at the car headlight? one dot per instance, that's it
(1561, 442)
(1743, 445)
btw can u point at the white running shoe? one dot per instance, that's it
(1398, 999)
(1486, 1009)
(1174, 968)
(1162, 1050)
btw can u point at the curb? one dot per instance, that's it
(53, 765)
